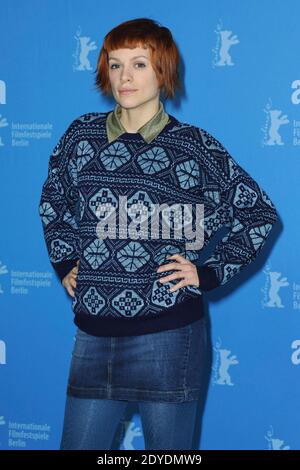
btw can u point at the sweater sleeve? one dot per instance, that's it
(244, 208)
(58, 206)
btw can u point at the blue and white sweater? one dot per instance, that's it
(118, 292)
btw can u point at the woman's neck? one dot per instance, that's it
(132, 119)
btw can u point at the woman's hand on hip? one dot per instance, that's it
(69, 281)
(186, 270)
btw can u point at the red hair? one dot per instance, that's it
(145, 33)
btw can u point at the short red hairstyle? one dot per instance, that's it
(146, 33)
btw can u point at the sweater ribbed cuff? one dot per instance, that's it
(64, 267)
(207, 278)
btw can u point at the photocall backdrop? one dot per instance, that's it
(240, 69)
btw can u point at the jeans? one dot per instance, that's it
(91, 423)
(166, 366)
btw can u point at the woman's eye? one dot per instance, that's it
(138, 63)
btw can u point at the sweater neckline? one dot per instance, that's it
(137, 136)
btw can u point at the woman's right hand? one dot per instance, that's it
(69, 281)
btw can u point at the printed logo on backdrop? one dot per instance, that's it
(275, 118)
(22, 133)
(2, 352)
(22, 281)
(2, 92)
(128, 430)
(84, 46)
(2, 430)
(20, 435)
(3, 121)
(295, 357)
(271, 290)
(224, 360)
(273, 442)
(225, 40)
(3, 270)
(273, 121)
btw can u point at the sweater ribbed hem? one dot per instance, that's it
(169, 319)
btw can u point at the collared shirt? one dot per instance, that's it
(148, 131)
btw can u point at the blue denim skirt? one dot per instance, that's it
(165, 366)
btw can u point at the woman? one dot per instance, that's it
(142, 332)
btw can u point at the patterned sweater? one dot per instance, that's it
(103, 193)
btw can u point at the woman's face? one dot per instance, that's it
(132, 68)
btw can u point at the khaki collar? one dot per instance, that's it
(149, 130)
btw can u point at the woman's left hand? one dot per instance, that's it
(186, 270)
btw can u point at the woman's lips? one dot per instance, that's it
(126, 92)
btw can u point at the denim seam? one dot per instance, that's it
(109, 367)
(133, 389)
(186, 362)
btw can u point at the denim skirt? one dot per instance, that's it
(165, 366)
